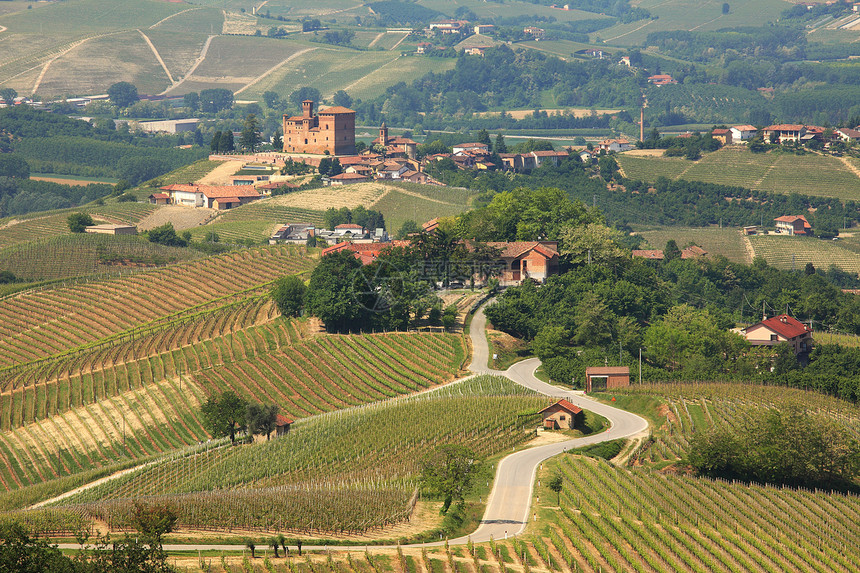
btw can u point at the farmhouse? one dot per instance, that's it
(159, 199)
(662, 80)
(210, 196)
(722, 135)
(293, 233)
(471, 147)
(449, 26)
(332, 131)
(615, 145)
(846, 134)
(484, 28)
(282, 425)
(742, 133)
(536, 260)
(347, 178)
(562, 415)
(793, 225)
(784, 132)
(779, 329)
(112, 229)
(536, 33)
(599, 378)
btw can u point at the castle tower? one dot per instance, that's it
(383, 134)
(307, 109)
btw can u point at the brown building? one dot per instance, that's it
(394, 146)
(599, 378)
(562, 416)
(332, 131)
(527, 260)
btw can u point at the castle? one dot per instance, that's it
(330, 131)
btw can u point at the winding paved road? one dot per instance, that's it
(509, 503)
(508, 506)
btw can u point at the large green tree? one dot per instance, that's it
(289, 295)
(450, 472)
(224, 414)
(123, 94)
(332, 290)
(78, 222)
(250, 135)
(261, 418)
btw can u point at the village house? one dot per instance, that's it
(598, 378)
(449, 26)
(793, 225)
(614, 145)
(482, 148)
(210, 196)
(395, 146)
(741, 133)
(476, 50)
(423, 47)
(535, 260)
(347, 178)
(536, 33)
(722, 135)
(562, 415)
(159, 199)
(282, 425)
(293, 233)
(108, 229)
(484, 28)
(779, 329)
(331, 131)
(364, 252)
(662, 80)
(551, 156)
(784, 132)
(846, 134)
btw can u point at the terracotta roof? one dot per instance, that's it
(693, 252)
(549, 153)
(602, 370)
(467, 145)
(744, 127)
(365, 252)
(792, 219)
(517, 248)
(784, 127)
(278, 185)
(283, 420)
(335, 110)
(159, 196)
(347, 176)
(564, 404)
(215, 191)
(720, 131)
(349, 226)
(784, 325)
(654, 254)
(352, 160)
(847, 132)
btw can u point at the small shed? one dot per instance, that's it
(112, 229)
(562, 415)
(599, 378)
(282, 425)
(159, 199)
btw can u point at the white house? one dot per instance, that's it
(743, 132)
(615, 145)
(473, 147)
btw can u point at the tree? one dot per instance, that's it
(484, 137)
(278, 140)
(595, 242)
(15, 167)
(671, 252)
(302, 94)
(272, 100)
(227, 142)
(331, 293)
(450, 472)
(78, 222)
(342, 98)
(191, 101)
(250, 137)
(289, 295)
(726, 7)
(407, 228)
(224, 414)
(21, 553)
(154, 521)
(252, 547)
(215, 144)
(213, 100)
(8, 95)
(166, 235)
(123, 94)
(556, 484)
(500, 146)
(260, 418)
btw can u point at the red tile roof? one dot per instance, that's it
(655, 254)
(515, 249)
(784, 325)
(159, 196)
(784, 127)
(338, 109)
(215, 191)
(349, 226)
(564, 404)
(283, 420)
(348, 176)
(744, 127)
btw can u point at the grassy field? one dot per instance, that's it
(726, 242)
(691, 15)
(794, 252)
(735, 165)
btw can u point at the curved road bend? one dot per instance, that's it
(509, 502)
